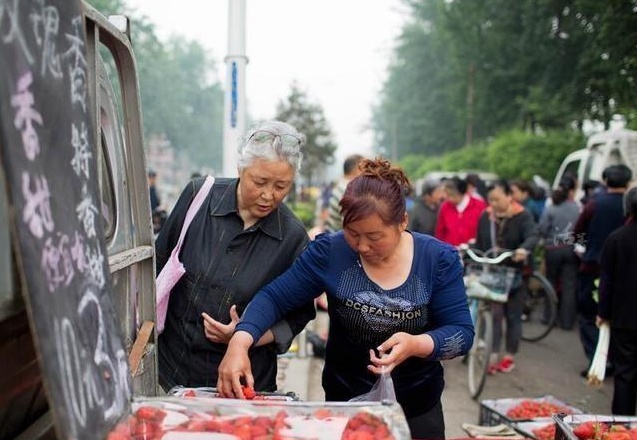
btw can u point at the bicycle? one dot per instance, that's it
(540, 307)
(486, 281)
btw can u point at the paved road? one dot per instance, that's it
(548, 367)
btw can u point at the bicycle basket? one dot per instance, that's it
(491, 282)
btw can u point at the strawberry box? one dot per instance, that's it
(580, 426)
(209, 392)
(512, 410)
(537, 430)
(179, 418)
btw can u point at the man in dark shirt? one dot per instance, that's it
(602, 214)
(424, 214)
(618, 303)
(152, 190)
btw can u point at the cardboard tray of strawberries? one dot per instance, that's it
(513, 410)
(195, 418)
(537, 429)
(595, 427)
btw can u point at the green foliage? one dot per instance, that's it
(179, 97)
(512, 154)
(516, 154)
(464, 71)
(304, 211)
(309, 119)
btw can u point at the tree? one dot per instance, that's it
(180, 95)
(308, 118)
(464, 71)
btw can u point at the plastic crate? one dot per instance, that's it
(493, 412)
(567, 422)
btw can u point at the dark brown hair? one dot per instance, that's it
(379, 189)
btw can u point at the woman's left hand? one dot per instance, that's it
(396, 349)
(217, 332)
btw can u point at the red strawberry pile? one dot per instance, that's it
(148, 423)
(603, 431)
(546, 432)
(248, 392)
(532, 409)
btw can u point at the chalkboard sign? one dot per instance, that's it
(49, 156)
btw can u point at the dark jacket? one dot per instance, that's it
(602, 215)
(225, 265)
(517, 231)
(423, 217)
(618, 283)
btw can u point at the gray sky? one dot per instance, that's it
(337, 50)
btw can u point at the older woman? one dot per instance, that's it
(397, 300)
(242, 238)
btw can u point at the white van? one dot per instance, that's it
(612, 147)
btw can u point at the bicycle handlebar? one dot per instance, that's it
(487, 260)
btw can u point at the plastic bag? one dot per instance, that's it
(383, 390)
(173, 270)
(170, 274)
(597, 371)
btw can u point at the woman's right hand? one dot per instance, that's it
(234, 366)
(217, 332)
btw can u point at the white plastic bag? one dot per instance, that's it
(383, 390)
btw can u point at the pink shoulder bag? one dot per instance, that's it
(173, 270)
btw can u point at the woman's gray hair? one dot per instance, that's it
(272, 141)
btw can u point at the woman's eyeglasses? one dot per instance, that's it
(286, 140)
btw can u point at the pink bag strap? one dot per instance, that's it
(193, 209)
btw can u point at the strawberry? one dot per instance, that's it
(150, 413)
(590, 430)
(248, 392)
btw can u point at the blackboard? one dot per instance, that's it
(48, 154)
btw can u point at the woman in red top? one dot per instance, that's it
(459, 214)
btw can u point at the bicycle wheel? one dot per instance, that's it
(480, 353)
(540, 308)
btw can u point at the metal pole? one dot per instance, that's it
(234, 115)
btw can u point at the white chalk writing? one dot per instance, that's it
(37, 207)
(86, 211)
(46, 23)
(101, 358)
(26, 115)
(81, 385)
(57, 262)
(77, 69)
(15, 33)
(96, 267)
(77, 253)
(82, 155)
(70, 367)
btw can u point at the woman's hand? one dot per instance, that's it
(520, 255)
(397, 348)
(218, 332)
(234, 366)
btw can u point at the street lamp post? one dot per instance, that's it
(234, 114)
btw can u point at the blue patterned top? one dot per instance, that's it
(362, 315)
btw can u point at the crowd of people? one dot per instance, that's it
(390, 272)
